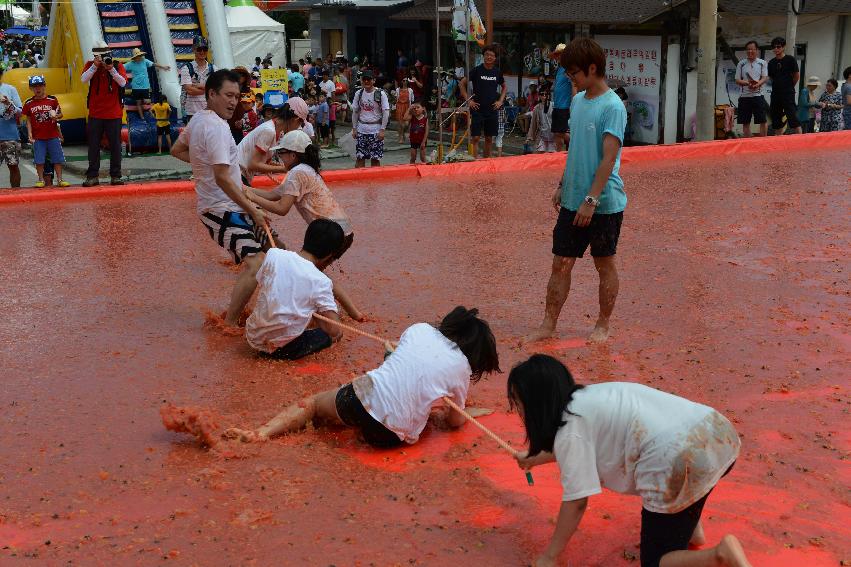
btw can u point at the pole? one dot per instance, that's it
(437, 77)
(706, 70)
(36, 15)
(792, 25)
(470, 148)
(489, 20)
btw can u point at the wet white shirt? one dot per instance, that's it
(290, 290)
(259, 140)
(634, 439)
(425, 367)
(211, 143)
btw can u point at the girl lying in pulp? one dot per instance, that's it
(391, 404)
(634, 440)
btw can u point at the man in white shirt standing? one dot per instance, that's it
(232, 221)
(370, 113)
(193, 76)
(751, 74)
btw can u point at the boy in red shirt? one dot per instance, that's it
(43, 114)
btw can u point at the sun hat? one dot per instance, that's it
(298, 107)
(294, 141)
(813, 80)
(247, 97)
(339, 54)
(137, 53)
(559, 48)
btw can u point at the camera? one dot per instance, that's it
(107, 60)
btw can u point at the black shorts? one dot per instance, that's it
(752, 107)
(310, 341)
(784, 104)
(486, 122)
(332, 125)
(602, 234)
(664, 533)
(561, 116)
(347, 243)
(416, 145)
(352, 413)
(164, 130)
(141, 94)
(324, 130)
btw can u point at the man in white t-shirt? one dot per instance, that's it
(254, 154)
(233, 222)
(751, 75)
(193, 76)
(293, 288)
(370, 113)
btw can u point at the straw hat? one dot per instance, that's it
(137, 53)
(559, 48)
(813, 81)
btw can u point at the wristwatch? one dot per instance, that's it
(592, 201)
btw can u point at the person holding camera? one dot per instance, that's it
(106, 78)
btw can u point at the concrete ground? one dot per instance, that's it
(143, 167)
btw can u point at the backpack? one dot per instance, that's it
(377, 96)
(193, 74)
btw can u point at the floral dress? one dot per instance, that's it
(831, 119)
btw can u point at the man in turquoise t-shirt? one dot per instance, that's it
(140, 82)
(590, 198)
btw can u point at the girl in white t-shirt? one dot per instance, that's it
(632, 439)
(391, 404)
(305, 189)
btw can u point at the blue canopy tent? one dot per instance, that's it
(22, 30)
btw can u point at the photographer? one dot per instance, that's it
(106, 79)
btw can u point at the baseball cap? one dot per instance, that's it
(294, 141)
(367, 75)
(37, 80)
(298, 107)
(200, 41)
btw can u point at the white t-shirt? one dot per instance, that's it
(211, 143)
(313, 198)
(371, 115)
(308, 129)
(291, 289)
(425, 367)
(194, 103)
(633, 439)
(260, 139)
(328, 87)
(747, 70)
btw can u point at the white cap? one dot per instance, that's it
(294, 141)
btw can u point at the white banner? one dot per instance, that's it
(635, 62)
(476, 31)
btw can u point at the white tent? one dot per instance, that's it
(20, 17)
(254, 34)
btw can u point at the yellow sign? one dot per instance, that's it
(274, 80)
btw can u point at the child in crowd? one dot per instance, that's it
(250, 120)
(404, 97)
(501, 119)
(162, 113)
(417, 119)
(43, 114)
(540, 136)
(332, 121)
(290, 289)
(323, 120)
(631, 439)
(304, 188)
(391, 404)
(258, 105)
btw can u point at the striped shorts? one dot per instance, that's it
(236, 233)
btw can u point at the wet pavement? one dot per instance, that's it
(734, 293)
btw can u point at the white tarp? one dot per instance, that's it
(20, 17)
(254, 34)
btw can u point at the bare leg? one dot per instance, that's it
(728, 553)
(39, 169)
(608, 292)
(374, 163)
(746, 130)
(422, 154)
(697, 536)
(140, 108)
(58, 168)
(246, 283)
(557, 290)
(14, 176)
(475, 141)
(763, 129)
(413, 155)
(488, 143)
(321, 407)
(360, 163)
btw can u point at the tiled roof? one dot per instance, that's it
(614, 11)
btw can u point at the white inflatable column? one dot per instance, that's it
(88, 26)
(159, 35)
(218, 33)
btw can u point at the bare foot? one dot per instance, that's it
(697, 536)
(478, 412)
(600, 333)
(541, 334)
(244, 435)
(730, 552)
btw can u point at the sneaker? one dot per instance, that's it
(39, 184)
(64, 184)
(91, 182)
(115, 181)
